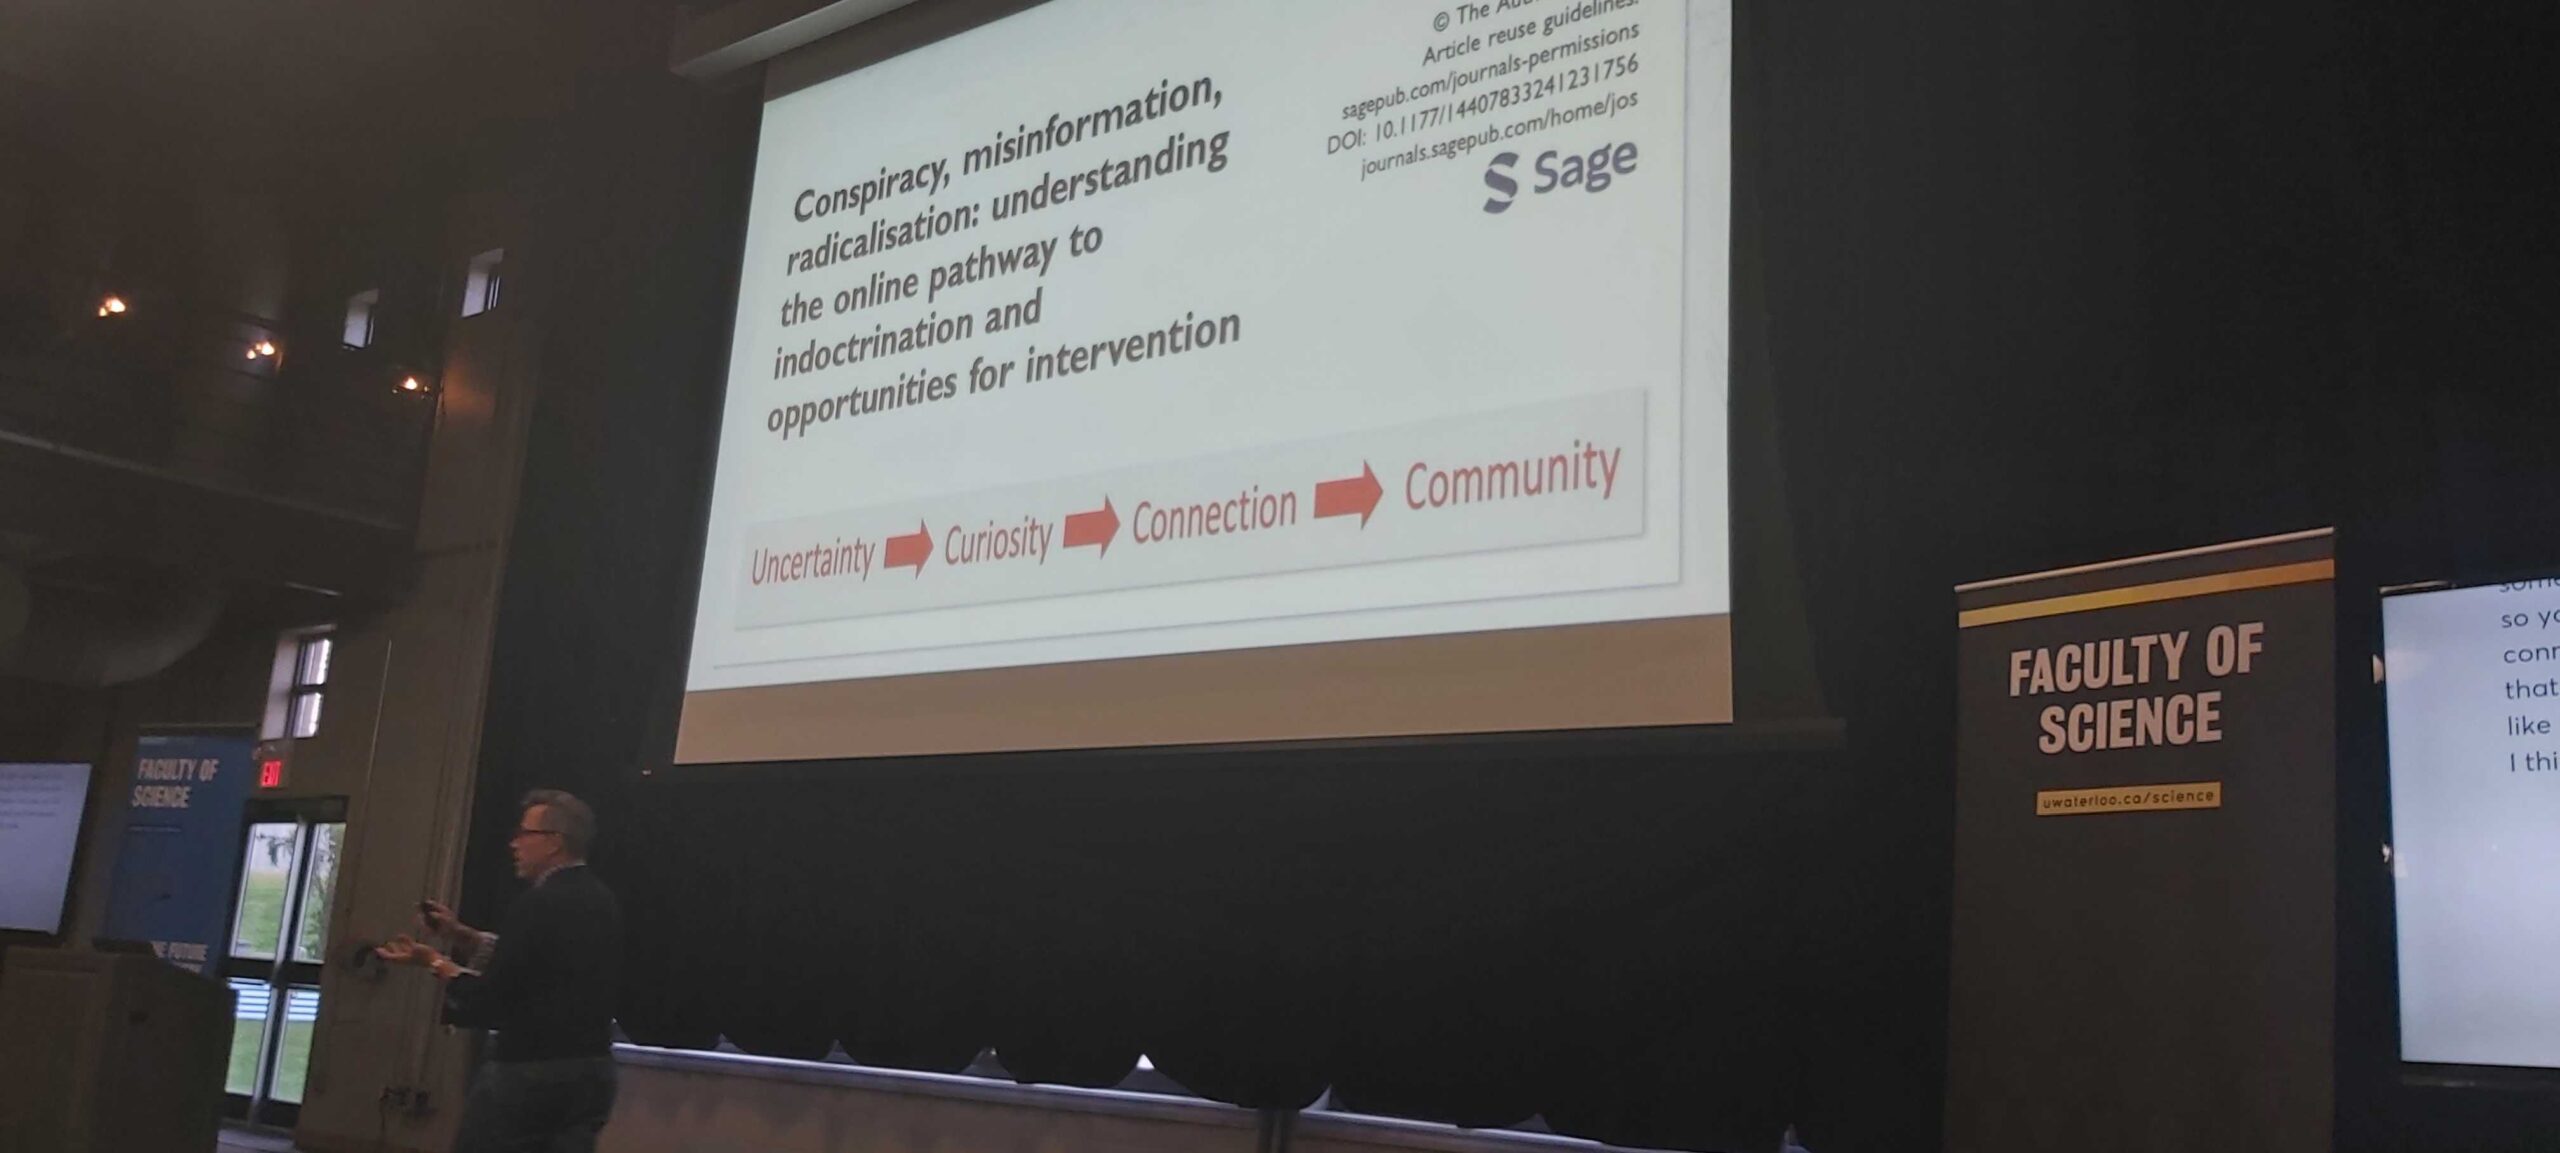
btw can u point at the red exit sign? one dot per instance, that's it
(272, 757)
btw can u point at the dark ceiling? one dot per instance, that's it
(178, 145)
(303, 87)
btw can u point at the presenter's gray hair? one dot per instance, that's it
(569, 817)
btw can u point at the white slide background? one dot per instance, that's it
(1371, 298)
(2475, 821)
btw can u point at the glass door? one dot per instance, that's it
(279, 941)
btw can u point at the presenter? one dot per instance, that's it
(545, 981)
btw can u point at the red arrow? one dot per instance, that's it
(1098, 527)
(1357, 494)
(911, 550)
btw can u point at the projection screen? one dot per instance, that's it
(1140, 372)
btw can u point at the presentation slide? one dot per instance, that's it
(1119, 330)
(40, 808)
(2472, 685)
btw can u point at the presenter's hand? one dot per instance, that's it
(436, 919)
(405, 950)
(402, 950)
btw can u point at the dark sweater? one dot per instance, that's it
(549, 989)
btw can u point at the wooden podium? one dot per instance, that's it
(110, 1053)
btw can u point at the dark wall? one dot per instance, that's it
(2043, 284)
(46, 722)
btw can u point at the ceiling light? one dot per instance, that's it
(112, 306)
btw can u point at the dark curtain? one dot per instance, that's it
(1480, 934)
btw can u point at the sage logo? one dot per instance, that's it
(1592, 172)
(1497, 176)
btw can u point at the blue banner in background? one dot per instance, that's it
(180, 863)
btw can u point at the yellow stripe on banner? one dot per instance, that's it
(2257, 578)
(2128, 799)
